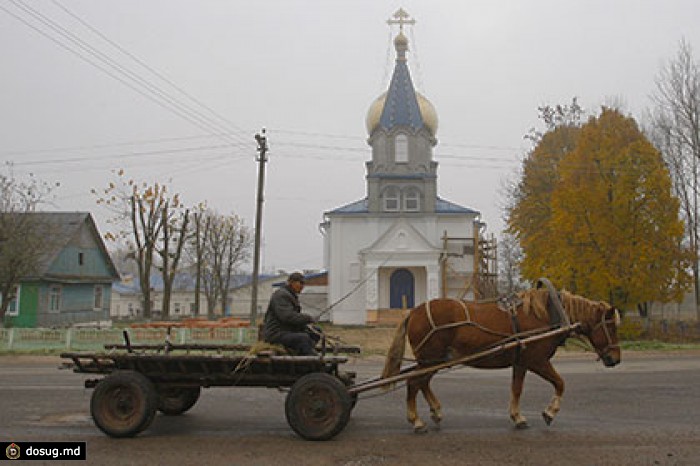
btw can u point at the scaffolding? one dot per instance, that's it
(468, 266)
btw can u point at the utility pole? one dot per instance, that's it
(261, 159)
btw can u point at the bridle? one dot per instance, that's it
(605, 352)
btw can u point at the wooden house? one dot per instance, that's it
(74, 279)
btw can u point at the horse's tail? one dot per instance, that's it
(394, 357)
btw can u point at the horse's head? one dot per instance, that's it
(602, 333)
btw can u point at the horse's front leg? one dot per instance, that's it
(516, 389)
(412, 387)
(548, 373)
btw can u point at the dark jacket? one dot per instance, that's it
(284, 315)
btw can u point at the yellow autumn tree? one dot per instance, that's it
(615, 231)
(530, 216)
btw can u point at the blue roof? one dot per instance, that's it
(401, 106)
(357, 207)
(446, 207)
(183, 282)
(442, 206)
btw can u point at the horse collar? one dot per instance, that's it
(557, 315)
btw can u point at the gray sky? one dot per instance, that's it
(307, 71)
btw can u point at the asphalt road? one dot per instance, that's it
(644, 411)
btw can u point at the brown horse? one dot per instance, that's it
(446, 329)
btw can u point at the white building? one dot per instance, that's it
(391, 250)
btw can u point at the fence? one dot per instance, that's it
(89, 339)
(674, 331)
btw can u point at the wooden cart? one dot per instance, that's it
(138, 381)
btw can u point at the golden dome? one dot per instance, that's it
(427, 111)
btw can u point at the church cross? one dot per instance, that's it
(401, 18)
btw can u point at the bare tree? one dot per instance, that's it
(195, 250)
(23, 240)
(140, 218)
(225, 244)
(174, 223)
(237, 250)
(675, 130)
(509, 258)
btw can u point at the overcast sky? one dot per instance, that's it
(307, 71)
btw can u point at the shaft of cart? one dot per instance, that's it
(411, 371)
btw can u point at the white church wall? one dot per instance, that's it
(348, 235)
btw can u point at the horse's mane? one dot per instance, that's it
(576, 307)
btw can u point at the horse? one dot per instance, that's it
(446, 329)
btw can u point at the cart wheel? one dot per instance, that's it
(318, 406)
(123, 404)
(176, 400)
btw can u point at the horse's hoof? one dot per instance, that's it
(522, 425)
(420, 430)
(547, 418)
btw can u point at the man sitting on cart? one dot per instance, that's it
(285, 324)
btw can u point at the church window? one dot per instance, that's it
(391, 199)
(401, 147)
(411, 200)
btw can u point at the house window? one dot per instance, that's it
(131, 309)
(81, 258)
(13, 306)
(99, 298)
(55, 298)
(391, 199)
(411, 200)
(177, 308)
(401, 147)
(193, 309)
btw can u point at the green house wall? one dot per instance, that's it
(28, 306)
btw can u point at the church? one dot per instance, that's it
(402, 244)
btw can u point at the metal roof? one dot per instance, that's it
(442, 206)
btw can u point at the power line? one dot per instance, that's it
(151, 92)
(149, 68)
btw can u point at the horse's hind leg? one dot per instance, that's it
(516, 389)
(433, 402)
(547, 372)
(412, 387)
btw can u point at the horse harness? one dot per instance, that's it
(557, 318)
(434, 328)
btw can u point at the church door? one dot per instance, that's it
(402, 287)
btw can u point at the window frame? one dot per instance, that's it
(98, 306)
(409, 195)
(13, 311)
(55, 298)
(401, 148)
(389, 196)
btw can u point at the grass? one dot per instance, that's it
(375, 341)
(656, 345)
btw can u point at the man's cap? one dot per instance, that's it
(296, 277)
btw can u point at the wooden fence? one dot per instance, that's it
(90, 339)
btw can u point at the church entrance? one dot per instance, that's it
(401, 289)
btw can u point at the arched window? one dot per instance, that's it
(411, 200)
(391, 199)
(401, 147)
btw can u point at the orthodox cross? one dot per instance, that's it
(401, 18)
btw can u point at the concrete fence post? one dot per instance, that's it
(69, 338)
(11, 338)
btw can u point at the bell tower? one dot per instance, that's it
(402, 175)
